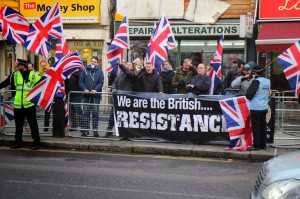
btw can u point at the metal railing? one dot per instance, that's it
(287, 118)
(93, 119)
(44, 119)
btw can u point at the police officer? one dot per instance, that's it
(24, 80)
(258, 94)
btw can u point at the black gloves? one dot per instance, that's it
(120, 64)
(243, 79)
(181, 83)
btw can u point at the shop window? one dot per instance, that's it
(85, 49)
(138, 49)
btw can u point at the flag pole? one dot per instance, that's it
(270, 63)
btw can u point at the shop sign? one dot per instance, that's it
(279, 9)
(12, 4)
(246, 26)
(95, 44)
(72, 11)
(189, 30)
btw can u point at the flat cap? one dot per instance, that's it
(258, 68)
(23, 62)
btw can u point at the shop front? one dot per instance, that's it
(84, 29)
(278, 29)
(198, 42)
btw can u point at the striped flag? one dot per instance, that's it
(13, 25)
(43, 93)
(214, 71)
(7, 115)
(41, 32)
(160, 42)
(237, 116)
(120, 42)
(290, 63)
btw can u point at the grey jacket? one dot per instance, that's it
(242, 84)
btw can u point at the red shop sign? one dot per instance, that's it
(279, 9)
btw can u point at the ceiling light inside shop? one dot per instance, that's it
(192, 44)
(239, 44)
(212, 44)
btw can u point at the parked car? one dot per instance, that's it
(279, 178)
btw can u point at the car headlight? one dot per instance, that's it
(282, 189)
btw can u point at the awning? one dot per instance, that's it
(277, 36)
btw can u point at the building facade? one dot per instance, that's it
(278, 25)
(86, 28)
(196, 34)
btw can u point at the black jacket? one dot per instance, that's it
(201, 84)
(122, 82)
(72, 84)
(150, 82)
(167, 77)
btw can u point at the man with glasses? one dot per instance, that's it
(200, 83)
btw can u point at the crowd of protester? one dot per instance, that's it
(142, 77)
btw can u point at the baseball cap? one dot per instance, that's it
(247, 67)
(251, 64)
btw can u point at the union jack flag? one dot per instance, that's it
(43, 30)
(62, 48)
(214, 71)
(162, 41)
(61, 92)
(13, 25)
(43, 93)
(289, 61)
(237, 116)
(7, 115)
(150, 42)
(120, 42)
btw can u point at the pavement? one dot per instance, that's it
(116, 145)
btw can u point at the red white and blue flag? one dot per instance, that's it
(237, 116)
(120, 42)
(214, 71)
(13, 25)
(62, 48)
(43, 93)
(61, 92)
(148, 58)
(7, 115)
(160, 43)
(289, 61)
(48, 27)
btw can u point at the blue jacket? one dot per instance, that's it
(91, 79)
(260, 99)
